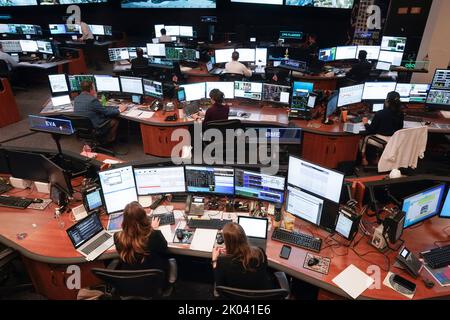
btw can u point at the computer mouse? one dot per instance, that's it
(219, 239)
(313, 262)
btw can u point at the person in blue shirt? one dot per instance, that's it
(87, 105)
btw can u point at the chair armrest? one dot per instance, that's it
(282, 281)
(113, 264)
(104, 124)
(173, 271)
(6, 256)
(378, 140)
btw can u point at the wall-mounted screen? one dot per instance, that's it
(13, 3)
(279, 2)
(53, 2)
(338, 4)
(191, 4)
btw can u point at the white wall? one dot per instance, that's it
(436, 41)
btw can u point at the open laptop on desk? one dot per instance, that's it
(211, 69)
(89, 238)
(255, 229)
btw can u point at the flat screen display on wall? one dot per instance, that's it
(165, 4)
(337, 4)
(13, 3)
(53, 2)
(279, 2)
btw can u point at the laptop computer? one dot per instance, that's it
(212, 69)
(255, 229)
(89, 238)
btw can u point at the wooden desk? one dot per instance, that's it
(47, 252)
(9, 112)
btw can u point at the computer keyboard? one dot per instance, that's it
(297, 239)
(437, 258)
(165, 218)
(97, 243)
(15, 202)
(207, 223)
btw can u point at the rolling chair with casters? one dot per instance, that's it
(86, 132)
(282, 292)
(231, 77)
(7, 256)
(139, 284)
(222, 126)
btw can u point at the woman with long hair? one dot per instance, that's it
(140, 244)
(242, 266)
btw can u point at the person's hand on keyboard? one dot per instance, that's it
(123, 107)
(155, 223)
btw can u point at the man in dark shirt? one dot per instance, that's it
(140, 61)
(360, 72)
(87, 105)
(218, 111)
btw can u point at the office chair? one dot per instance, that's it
(139, 284)
(140, 71)
(282, 75)
(222, 126)
(86, 132)
(4, 70)
(282, 292)
(7, 256)
(397, 152)
(231, 77)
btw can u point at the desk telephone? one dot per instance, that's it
(156, 105)
(172, 117)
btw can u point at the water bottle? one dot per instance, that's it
(103, 101)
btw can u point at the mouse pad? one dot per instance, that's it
(322, 267)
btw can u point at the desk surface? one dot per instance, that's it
(47, 242)
(44, 65)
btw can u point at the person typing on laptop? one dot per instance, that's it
(140, 244)
(242, 266)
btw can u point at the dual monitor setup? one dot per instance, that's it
(27, 46)
(254, 55)
(75, 29)
(389, 52)
(155, 51)
(20, 29)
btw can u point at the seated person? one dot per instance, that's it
(164, 37)
(140, 244)
(234, 66)
(87, 105)
(140, 61)
(360, 71)
(385, 122)
(241, 266)
(218, 111)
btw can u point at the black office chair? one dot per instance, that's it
(7, 269)
(222, 126)
(139, 284)
(280, 293)
(231, 77)
(85, 131)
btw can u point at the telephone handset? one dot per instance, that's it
(410, 262)
(156, 105)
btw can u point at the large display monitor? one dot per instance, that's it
(153, 88)
(412, 92)
(423, 205)
(118, 187)
(350, 95)
(194, 91)
(327, 54)
(223, 55)
(445, 212)
(162, 180)
(259, 186)
(377, 90)
(246, 55)
(397, 44)
(107, 83)
(439, 94)
(76, 80)
(214, 180)
(227, 87)
(249, 90)
(58, 83)
(346, 53)
(14, 3)
(276, 93)
(277, 2)
(342, 4)
(373, 52)
(156, 49)
(132, 85)
(179, 4)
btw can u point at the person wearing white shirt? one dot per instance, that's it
(234, 66)
(164, 37)
(8, 59)
(86, 33)
(91, 55)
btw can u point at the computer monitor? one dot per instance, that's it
(261, 56)
(327, 54)
(302, 86)
(56, 29)
(259, 186)
(58, 83)
(346, 53)
(107, 83)
(51, 125)
(156, 49)
(76, 80)
(162, 180)
(158, 28)
(58, 176)
(174, 53)
(423, 205)
(223, 55)
(441, 80)
(304, 205)
(377, 107)
(439, 94)
(321, 181)
(332, 104)
(45, 47)
(373, 52)
(92, 199)
(249, 90)
(395, 58)
(131, 85)
(226, 87)
(396, 44)
(383, 65)
(27, 165)
(214, 180)
(118, 187)
(377, 90)
(246, 55)
(194, 91)
(61, 100)
(254, 227)
(28, 45)
(153, 88)
(300, 106)
(186, 31)
(118, 54)
(132, 52)
(11, 46)
(100, 30)
(350, 95)
(172, 30)
(276, 93)
(445, 212)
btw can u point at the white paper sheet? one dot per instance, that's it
(167, 232)
(146, 115)
(204, 240)
(134, 113)
(353, 281)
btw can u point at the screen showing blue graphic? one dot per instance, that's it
(51, 125)
(191, 4)
(423, 205)
(210, 180)
(259, 186)
(445, 213)
(302, 86)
